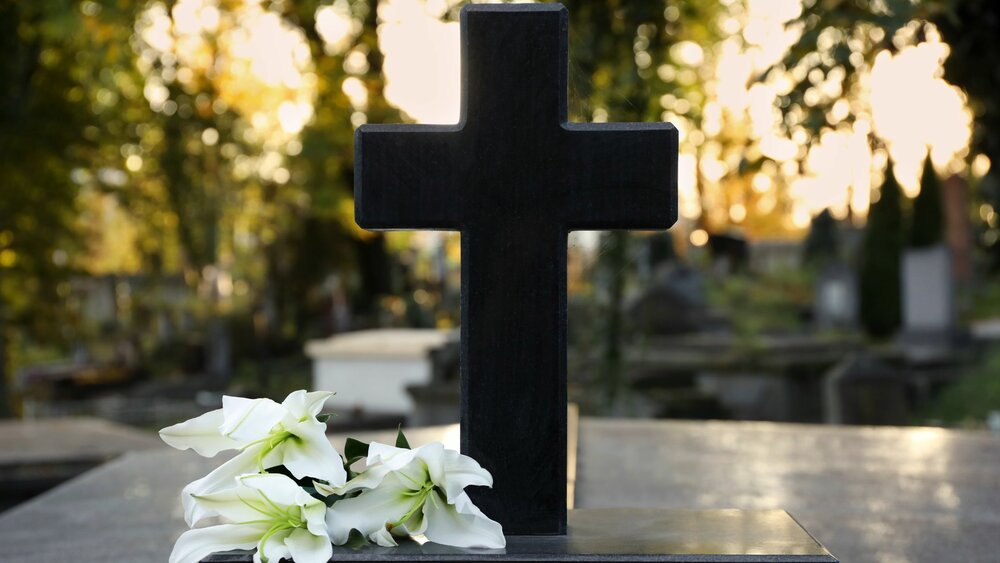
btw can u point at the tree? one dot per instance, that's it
(50, 96)
(927, 226)
(852, 34)
(972, 30)
(879, 268)
(124, 103)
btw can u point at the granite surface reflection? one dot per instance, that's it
(641, 535)
(868, 494)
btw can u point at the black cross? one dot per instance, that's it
(515, 177)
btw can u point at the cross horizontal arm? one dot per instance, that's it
(621, 176)
(406, 177)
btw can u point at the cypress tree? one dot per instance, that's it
(879, 268)
(927, 228)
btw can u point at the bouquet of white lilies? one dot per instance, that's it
(290, 494)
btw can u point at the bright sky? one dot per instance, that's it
(263, 68)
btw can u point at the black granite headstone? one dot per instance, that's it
(514, 176)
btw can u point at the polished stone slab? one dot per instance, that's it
(68, 440)
(36, 455)
(870, 495)
(689, 536)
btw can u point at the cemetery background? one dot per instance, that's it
(176, 219)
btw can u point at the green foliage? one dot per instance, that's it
(401, 439)
(984, 301)
(79, 133)
(52, 102)
(927, 226)
(354, 450)
(879, 268)
(969, 400)
(858, 31)
(972, 30)
(40, 143)
(761, 304)
(822, 243)
(852, 24)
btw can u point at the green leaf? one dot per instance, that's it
(325, 417)
(401, 439)
(311, 490)
(330, 500)
(355, 450)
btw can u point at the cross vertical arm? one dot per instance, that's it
(513, 394)
(620, 175)
(407, 177)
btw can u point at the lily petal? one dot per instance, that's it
(392, 457)
(310, 454)
(327, 490)
(432, 455)
(200, 434)
(382, 460)
(458, 472)
(274, 549)
(369, 511)
(461, 524)
(383, 538)
(305, 547)
(367, 479)
(305, 405)
(315, 516)
(195, 545)
(278, 488)
(414, 526)
(231, 504)
(249, 419)
(220, 479)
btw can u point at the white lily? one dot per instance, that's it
(268, 433)
(420, 491)
(267, 511)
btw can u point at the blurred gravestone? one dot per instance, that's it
(371, 369)
(730, 252)
(437, 401)
(673, 302)
(927, 278)
(655, 253)
(928, 296)
(836, 300)
(863, 389)
(821, 244)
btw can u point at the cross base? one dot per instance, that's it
(626, 535)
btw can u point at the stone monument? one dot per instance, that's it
(930, 331)
(514, 176)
